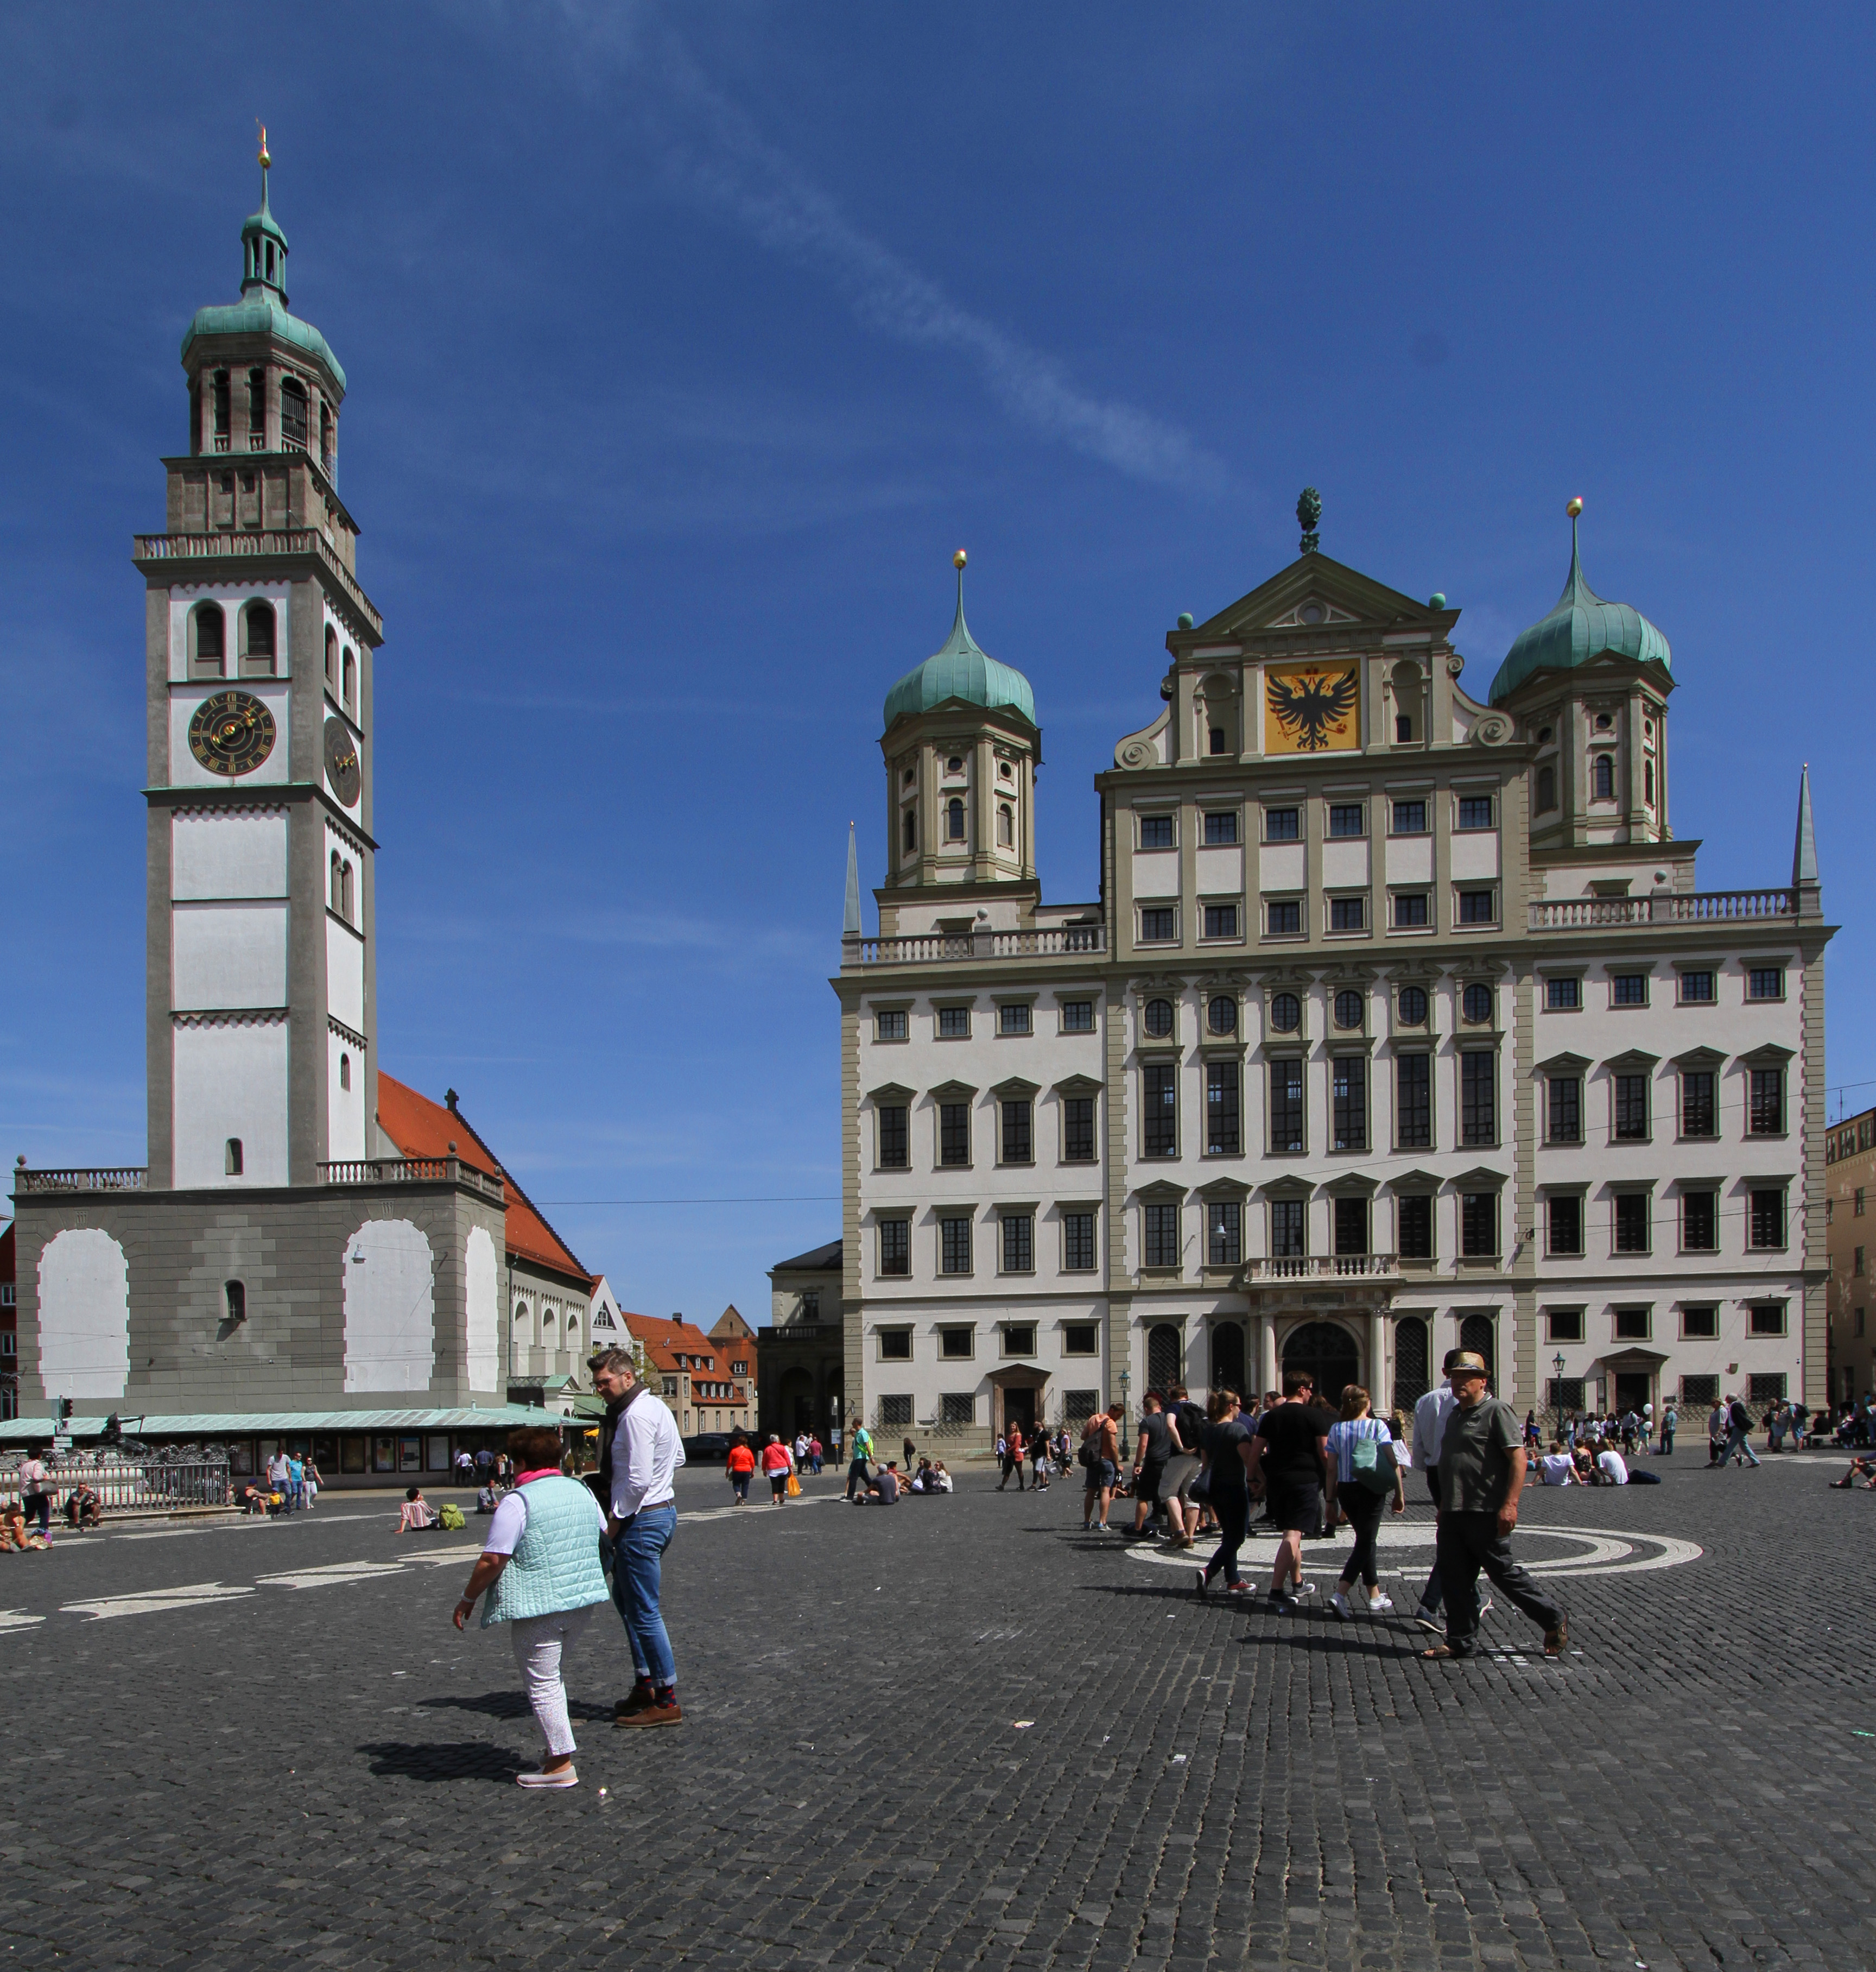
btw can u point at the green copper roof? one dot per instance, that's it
(960, 670)
(1580, 629)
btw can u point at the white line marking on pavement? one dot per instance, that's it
(154, 1599)
(333, 1571)
(1605, 1550)
(18, 1619)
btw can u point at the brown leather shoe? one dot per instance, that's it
(1556, 1641)
(654, 1714)
(627, 1706)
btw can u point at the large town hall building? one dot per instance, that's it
(1401, 1022)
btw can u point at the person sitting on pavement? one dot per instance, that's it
(1861, 1467)
(884, 1487)
(487, 1499)
(13, 1532)
(941, 1479)
(83, 1508)
(417, 1515)
(1557, 1468)
(1612, 1469)
(921, 1481)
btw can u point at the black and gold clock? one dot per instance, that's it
(231, 733)
(342, 761)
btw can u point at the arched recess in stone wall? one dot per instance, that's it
(483, 1342)
(390, 1307)
(84, 1315)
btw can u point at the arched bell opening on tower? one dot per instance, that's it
(258, 640)
(332, 659)
(208, 641)
(293, 414)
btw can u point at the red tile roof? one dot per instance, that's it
(421, 1128)
(665, 1343)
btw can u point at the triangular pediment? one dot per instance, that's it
(1345, 596)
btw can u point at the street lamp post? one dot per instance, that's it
(1557, 1363)
(1126, 1379)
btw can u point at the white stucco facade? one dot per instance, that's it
(84, 1316)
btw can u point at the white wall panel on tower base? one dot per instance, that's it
(228, 954)
(230, 1081)
(228, 855)
(84, 1315)
(484, 1343)
(345, 976)
(390, 1307)
(345, 1098)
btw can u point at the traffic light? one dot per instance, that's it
(65, 1410)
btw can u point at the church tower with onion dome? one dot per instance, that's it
(262, 1001)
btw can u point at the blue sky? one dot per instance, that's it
(686, 344)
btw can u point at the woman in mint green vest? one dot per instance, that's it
(540, 1567)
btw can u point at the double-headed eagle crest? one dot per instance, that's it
(1308, 707)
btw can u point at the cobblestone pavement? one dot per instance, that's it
(956, 1733)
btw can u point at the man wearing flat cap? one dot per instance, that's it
(1482, 1460)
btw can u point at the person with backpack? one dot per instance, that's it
(1100, 1455)
(1182, 1470)
(1364, 1475)
(1738, 1444)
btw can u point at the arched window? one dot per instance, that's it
(345, 906)
(1478, 1332)
(257, 651)
(325, 437)
(1546, 788)
(520, 1315)
(1228, 1356)
(232, 1158)
(1605, 787)
(345, 1071)
(1006, 825)
(1163, 1357)
(954, 819)
(349, 693)
(332, 658)
(257, 410)
(1648, 783)
(908, 829)
(209, 627)
(220, 409)
(234, 1299)
(339, 883)
(1410, 1361)
(293, 413)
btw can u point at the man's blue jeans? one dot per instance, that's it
(636, 1549)
(1737, 1447)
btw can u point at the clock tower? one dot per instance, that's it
(261, 991)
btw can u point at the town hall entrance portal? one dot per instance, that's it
(1327, 1351)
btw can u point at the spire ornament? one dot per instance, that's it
(1309, 512)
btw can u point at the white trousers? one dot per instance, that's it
(539, 1642)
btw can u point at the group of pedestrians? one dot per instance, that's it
(558, 1547)
(1046, 1452)
(294, 1479)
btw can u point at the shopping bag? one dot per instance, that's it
(794, 1487)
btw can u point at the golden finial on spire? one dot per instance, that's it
(959, 559)
(265, 159)
(1574, 508)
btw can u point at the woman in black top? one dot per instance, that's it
(1225, 1447)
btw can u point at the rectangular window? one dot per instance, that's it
(1348, 913)
(1856, 1261)
(1013, 1019)
(1700, 1222)
(1161, 1223)
(1155, 831)
(1631, 1108)
(1766, 1218)
(957, 1407)
(1157, 926)
(1222, 829)
(1018, 1244)
(1220, 920)
(1077, 1243)
(1410, 818)
(1224, 1234)
(954, 1245)
(1346, 818)
(1016, 1144)
(1767, 1117)
(1286, 1229)
(954, 1133)
(1080, 1338)
(1283, 918)
(1078, 1017)
(892, 1027)
(1563, 1325)
(1478, 1224)
(895, 1246)
(1413, 1101)
(1020, 1338)
(1478, 1106)
(1696, 989)
(1856, 1203)
(1351, 1226)
(957, 1342)
(1478, 907)
(1475, 812)
(1699, 1104)
(1628, 989)
(1414, 1217)
(1349, 1081)
(1221, 1133)
(1078, 1129)
(1632, 1325)
(894, 1154)
(1700, 1324)
(954, 1024)
(1411, 910)
(894, 1345)
(1768, 1387)
(1564, 1120)
(1766, 982)
(895, 1412)
(1286, 1104)
(1632, 1211)
(1563, 996)
(1283, 824)
(1565, 1225)
(1697, 1391)
(1159, 1103)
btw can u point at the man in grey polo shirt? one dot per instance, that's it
(1482, 1462)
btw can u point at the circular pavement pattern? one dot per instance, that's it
(1597, 1551)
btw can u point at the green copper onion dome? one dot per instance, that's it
(1580, 629)
(960, 670)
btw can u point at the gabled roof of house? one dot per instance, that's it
(822, 1260)
(421, 1128)
(681, 1347)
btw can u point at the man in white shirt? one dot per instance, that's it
(1609, 1464)
(1557, 1466)
(640, 1452)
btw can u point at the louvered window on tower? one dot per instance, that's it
(293, 414)
(211, 629)
(256, 411)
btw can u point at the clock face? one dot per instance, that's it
(342, 761)
(231, 733)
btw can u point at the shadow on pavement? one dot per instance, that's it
(464, 1760)
(507, 1704)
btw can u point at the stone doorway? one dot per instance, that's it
(1330, 1354)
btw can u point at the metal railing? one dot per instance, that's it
(1322, 1267)
(409, 1170)
(126, 1486)
(800, 1331)
(1050, 941)
(1663, 907)
(266, 541)
(120, 1177)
